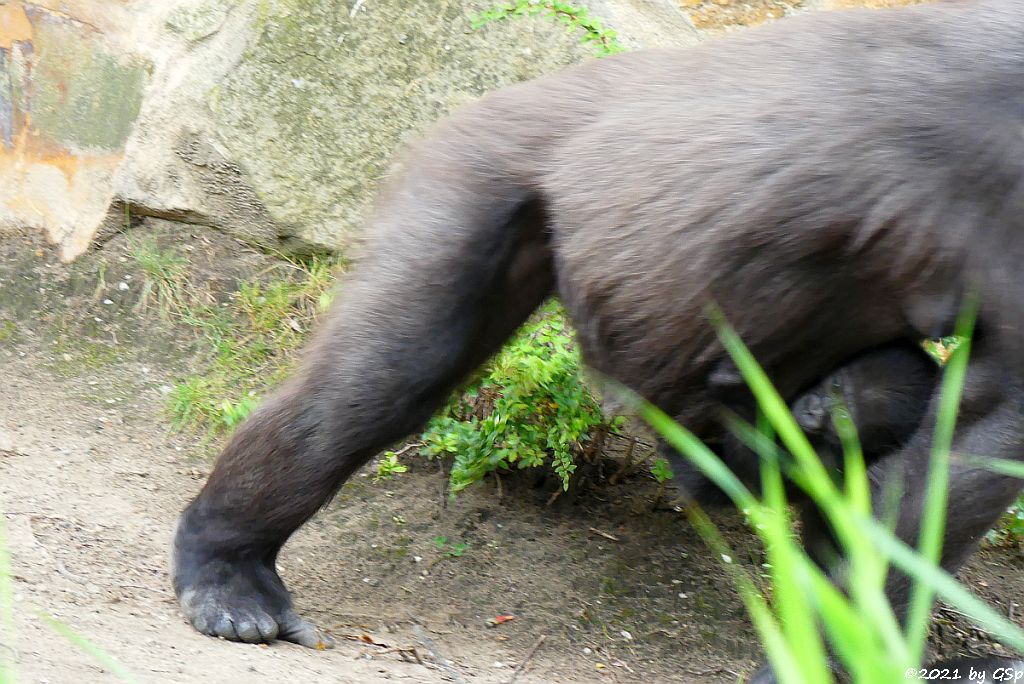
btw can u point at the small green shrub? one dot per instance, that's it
(529, 408)
(1010, 531)
(661, 470)
(390, 465)
(455, 551)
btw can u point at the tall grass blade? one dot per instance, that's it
(1000, 465)
(867, 567)
(933, 521)
(106, 661)
(945, 585)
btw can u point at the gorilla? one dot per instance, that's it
(834, 183)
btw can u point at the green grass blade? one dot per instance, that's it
(945, 585)
(1000, 465)
(774, 408)
(855, 475)
(845, 627)
(685, 442)
(790, 665)
(933, 521)
(814, 479)
(792, 593)
(868, 568)
(778, 649)
(106, 661)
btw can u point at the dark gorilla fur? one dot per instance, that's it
(885, 391)
(834, 182)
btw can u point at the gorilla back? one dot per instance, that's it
(834, 182)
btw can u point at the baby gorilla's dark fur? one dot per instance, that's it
(833, 181)
(885, 390)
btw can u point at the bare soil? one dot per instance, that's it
(612, 585)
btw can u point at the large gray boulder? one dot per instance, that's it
(271, 120)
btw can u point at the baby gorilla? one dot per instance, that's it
(885, 390)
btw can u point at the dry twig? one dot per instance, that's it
(421, 634)
(529, 654)
(611, 537)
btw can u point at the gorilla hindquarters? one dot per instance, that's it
(832, 181)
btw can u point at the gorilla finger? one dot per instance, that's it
(298, 631)
(267, 627)
(225, 627)
(249, 629)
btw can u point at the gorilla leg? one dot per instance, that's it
(419, 314)
(988, 426)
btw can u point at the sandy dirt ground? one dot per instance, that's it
(90, 494)
(610, 585)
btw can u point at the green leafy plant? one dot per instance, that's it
(576, 18)
(806, 609)
(661, 470)
(1011, 528)
(389, 465)
(529, 408)
(441, 542)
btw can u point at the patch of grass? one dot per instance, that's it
(165, 282)
(81, 356)
(251, 341)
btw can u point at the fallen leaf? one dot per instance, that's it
(500, 620)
